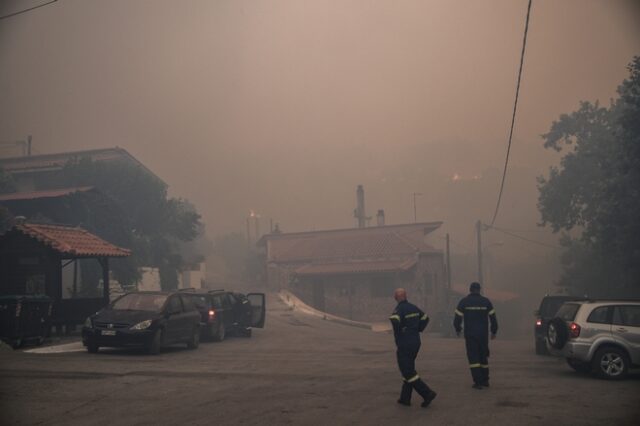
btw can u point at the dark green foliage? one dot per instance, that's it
(145, 220)
(596, 192)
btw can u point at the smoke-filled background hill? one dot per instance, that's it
(283, 107)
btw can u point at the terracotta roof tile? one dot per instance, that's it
(357, 267)
(72, 241)
(375, 243)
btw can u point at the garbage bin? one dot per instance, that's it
(24, 318)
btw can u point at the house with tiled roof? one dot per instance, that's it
(353, 272)
(37, 172)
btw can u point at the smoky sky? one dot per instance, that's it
(283, 107)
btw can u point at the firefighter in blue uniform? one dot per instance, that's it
(408, 322)
(477, 311)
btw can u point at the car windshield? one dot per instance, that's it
(140, 302)
(568, 311)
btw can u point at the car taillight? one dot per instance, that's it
(539, 323)
(212, 314)
(574, 330)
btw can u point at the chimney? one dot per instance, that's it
(359, 212)
(380, 217)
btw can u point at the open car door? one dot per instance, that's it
(258, 309)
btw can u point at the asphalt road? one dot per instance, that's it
(302, 370)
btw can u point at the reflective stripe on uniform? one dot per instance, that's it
(492, 312)
(476, 308)
(413, 379)
(424, 317)
(484, 365)
(394, 317)
(475, 365)
(412, 315)
(459, 313)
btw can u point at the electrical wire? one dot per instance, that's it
(513, 116)
(27, 10)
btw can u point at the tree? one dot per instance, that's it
(154, 225)
(593, 197)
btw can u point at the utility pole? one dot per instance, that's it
(415, 210)
(448, 254)
(479, 239)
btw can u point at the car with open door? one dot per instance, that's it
(150, 320)
(224, 313)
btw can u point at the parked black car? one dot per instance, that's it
(546, 312)
(144, 319)
(224, 312)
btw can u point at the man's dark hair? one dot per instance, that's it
(474, 287)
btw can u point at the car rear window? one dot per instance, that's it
(568, 311)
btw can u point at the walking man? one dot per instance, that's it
(408, 322)
(476, 311)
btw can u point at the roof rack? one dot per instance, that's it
(216, 290)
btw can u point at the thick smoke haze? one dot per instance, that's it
(283, 107)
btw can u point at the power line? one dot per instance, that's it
(27, 10)
(513, 116)
(524, 238)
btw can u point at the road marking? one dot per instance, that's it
(58, 349)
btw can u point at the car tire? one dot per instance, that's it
(610, 363)
(541, 347)
(93, 348)
(579, 366)
(557, 333)
(194, 341)
(220, 333)
(155, 344)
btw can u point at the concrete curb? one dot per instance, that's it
(295, 303)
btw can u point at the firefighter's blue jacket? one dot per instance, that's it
(408, 322)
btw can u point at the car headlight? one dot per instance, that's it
(88, 323)
(141, 325)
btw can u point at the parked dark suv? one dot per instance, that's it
(144, 319)
(225, 312)
(546, 312)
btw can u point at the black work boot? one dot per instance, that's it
(477, 386)
(405, 394)
(427, 399)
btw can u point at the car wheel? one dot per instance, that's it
(579, 366)
(156, 343)
(557, 333)
(93, 348)
(610, 363)
(541, 347)
(220, 333)
(194, 342)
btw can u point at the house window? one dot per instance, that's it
(382, 286)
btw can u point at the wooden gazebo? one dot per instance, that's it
(32, 257)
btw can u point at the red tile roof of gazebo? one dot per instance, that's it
(72, 241)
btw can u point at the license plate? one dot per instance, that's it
(108, 332)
